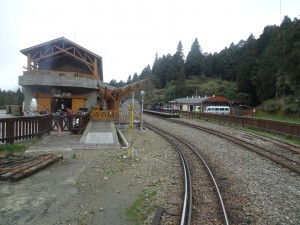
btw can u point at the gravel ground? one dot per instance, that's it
(97, 186)
(90, 187)
(273, 192)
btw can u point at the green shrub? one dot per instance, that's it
(270, 106)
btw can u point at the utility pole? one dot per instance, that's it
(130, 125)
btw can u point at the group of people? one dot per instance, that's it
(43, 112)
(60, 112)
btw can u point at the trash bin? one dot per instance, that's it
(8, 109)
(16, 110)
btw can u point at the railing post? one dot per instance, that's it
(10, 131)
(40, 127)
(49, 124)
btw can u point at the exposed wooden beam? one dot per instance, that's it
(95, 68)
(28, 62)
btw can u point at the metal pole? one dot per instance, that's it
(130, 125)
(142, 114)
(142, 125)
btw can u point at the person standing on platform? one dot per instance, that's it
(69, 118)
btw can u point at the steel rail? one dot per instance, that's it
(279, 143)
(187, 202)
(263, 152)
(218, 193)
(213, 179)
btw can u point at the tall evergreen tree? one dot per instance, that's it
(194, 65)
(135, 78)
(129, 81)
(145, 73)
(178, 70)
(267, 64)
(246, 67)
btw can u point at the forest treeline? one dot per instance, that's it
(11, 97)
(253, 70)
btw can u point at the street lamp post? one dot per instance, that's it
(142, 94)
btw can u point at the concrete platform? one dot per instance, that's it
(100, 133)
(97, 135)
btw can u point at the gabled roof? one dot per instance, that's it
(62, 47)
(194, 100)
(199, 100)
(217, 99)
(54, 41)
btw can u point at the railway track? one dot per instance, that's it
(286, 155)
(203, 202)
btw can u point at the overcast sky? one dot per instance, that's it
(128, 33)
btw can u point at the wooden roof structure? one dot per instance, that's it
(109, 93)
(63, 51)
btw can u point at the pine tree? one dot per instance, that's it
(178, 70)
(194, 65)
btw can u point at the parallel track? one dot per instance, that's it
(288, 162)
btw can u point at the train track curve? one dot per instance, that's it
(189, 154)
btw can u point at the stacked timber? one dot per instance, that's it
(18, 167)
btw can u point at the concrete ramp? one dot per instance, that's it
(99, 133)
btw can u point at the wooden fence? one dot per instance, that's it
(268, 125)
(105, 114)
(27, 127)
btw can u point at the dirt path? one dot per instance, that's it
(87, 186)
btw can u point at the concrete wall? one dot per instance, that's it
(58, 81)
(29, 93)
(91, 101)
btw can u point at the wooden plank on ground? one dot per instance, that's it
(19, 167)
(25, 173)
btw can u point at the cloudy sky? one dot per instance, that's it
(128, 34)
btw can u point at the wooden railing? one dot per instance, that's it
(74, 123)
(268, 125)
(27, 127)
(58, 73)
(105, 114)
(20, 128)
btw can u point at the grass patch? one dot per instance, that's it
(285, 138)
(13, 147)
(278, 116)
(74, 156)
(17, 147)
(144, 205)
(110, 171)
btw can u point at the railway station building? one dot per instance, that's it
(61, 74)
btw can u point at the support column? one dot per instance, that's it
(95, 68)
(28, 62)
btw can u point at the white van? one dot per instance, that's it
(217, 109)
